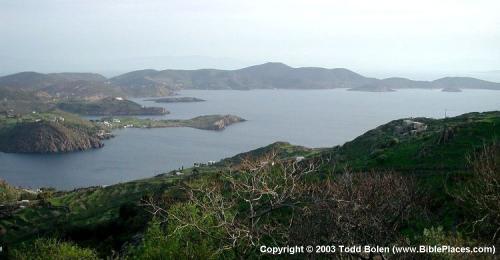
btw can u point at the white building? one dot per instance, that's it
(211, 162)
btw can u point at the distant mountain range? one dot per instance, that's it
(144, 83)
(74, 85)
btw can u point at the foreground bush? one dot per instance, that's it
(52, 249)
(356, 209)
(177, 242)
(275, 203)
(480, 197)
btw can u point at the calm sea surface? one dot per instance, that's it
(314, 118)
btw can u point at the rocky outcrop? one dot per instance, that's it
(48, 137)
(214, 122)
(225, 121)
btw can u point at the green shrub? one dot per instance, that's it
(481, 195)
(51, 249)
(178, 240)
(154, 245)
(437, 237)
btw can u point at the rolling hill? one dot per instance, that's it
(147, 83)
(278, 75)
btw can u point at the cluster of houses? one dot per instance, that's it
(110, 123)
(104, 123)
(195, 165)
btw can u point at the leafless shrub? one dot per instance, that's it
(356, 209)
(481, 195)
(245, 202)
(273, 201)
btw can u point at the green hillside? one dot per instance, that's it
(442, 145)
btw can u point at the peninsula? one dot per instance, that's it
(207, 122)
(59, 132)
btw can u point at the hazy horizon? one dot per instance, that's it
(422, 40)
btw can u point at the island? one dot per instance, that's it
(207, 122)
(110, 106)
(176, 100)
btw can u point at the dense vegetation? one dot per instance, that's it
(409, 182)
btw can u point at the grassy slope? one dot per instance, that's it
(84, 207)
(92, 206)
(383, 148)
(70, 121)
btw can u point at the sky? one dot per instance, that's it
(419, 39)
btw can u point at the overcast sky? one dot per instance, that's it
(420, 38)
